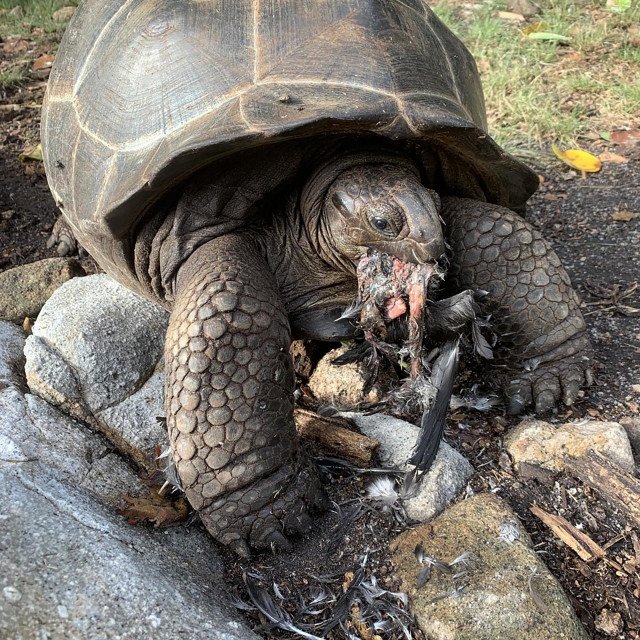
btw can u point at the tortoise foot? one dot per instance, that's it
(62, 238)
(546, 380)
(266, 513)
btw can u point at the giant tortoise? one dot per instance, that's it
(234, 160)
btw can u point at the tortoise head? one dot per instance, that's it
(386, 208)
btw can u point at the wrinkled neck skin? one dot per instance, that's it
(317, 281)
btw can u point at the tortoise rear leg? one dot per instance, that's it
(229, 400)
(542, 336)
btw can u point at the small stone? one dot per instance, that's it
(63, 14)
(547, 445)
(343, 386)
(506, 588)
(635, 388)
(25, 289)
(17, 12)
(446, 478)
(609, 622)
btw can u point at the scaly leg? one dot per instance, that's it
(229, 400)
(535, 311)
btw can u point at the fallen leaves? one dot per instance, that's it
(583, 161)
(154, 509)
(31, 154)
(15, 46)
(624, 136)
(42, 66)
(614, 158)
(625, 216)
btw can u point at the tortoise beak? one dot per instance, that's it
(425, 241)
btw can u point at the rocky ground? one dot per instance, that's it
(347, 563)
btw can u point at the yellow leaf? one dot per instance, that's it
(533, 28)
(31, 154)
(578, 159)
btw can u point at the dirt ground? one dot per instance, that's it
(602, 256)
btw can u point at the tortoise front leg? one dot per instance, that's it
(535, 311)
(229, 400)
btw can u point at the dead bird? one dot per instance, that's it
(401, 320)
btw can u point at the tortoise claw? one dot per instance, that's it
(278, 543)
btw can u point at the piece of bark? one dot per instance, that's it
(575, 539)
(334, 437)
(610, 481)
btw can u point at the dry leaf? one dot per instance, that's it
(575, 539)
(615, 158)
(15, 45)
(31, 154)
(43, 62)
(512, 17)
(154, 509)
(577, 159)
(547, 36)
(625, 135)
(625, 216)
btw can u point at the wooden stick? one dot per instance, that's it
(333, 436)
(610, 481)
(575, 539)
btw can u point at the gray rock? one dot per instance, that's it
(33, 431)
(70, 568)
(25, 289)
(94, 353)
(547, 445)
(108, 336)
(133, 424)
(446, 478)
(509, 594)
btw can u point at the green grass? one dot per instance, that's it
(33, 23)
(36, 14)
(539, 92)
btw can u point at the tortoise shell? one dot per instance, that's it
(144, 93)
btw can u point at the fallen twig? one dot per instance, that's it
(575, 539)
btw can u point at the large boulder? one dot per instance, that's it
(70, 567)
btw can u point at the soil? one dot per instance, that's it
(603, 258)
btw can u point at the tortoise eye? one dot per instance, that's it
(385, 221)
